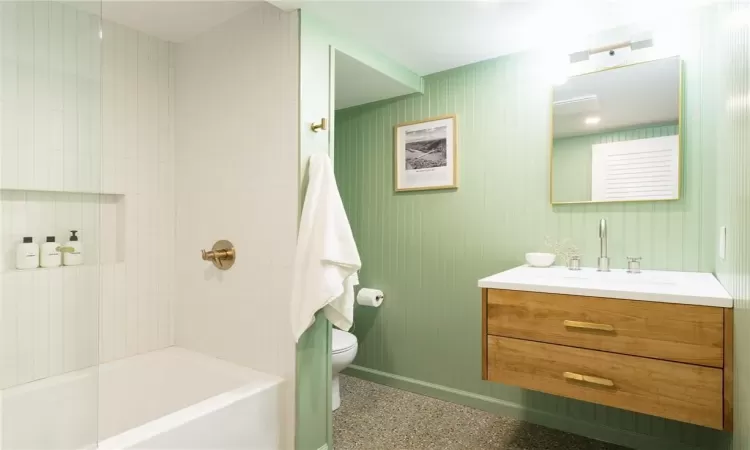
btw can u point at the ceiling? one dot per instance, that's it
(430, 36)
(170, 20)
(357, 83)
(626, 97)
(424, 36)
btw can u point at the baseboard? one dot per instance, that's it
(510, 409)
(324, 447)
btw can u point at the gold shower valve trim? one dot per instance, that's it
(222, 254)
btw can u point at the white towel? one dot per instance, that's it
(327, 260)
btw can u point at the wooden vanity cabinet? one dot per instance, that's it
(664, 359)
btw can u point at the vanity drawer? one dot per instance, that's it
(662, 388)
(683, 333)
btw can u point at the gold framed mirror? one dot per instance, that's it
(616, 134)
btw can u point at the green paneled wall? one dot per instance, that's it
(571, 159)
(426, 250)
(733, 201)
(318, 42)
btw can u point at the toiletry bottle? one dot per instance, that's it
(50, 254)
(27, 254)
(72, 253)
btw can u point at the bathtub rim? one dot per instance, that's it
(185, 415)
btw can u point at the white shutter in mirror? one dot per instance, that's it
(641, 169)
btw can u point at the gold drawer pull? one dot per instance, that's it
(588, 379)
(588, 325)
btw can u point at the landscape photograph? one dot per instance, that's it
(426, 148)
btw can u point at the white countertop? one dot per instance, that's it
(687, 288)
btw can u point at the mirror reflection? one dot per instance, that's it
(616, 134)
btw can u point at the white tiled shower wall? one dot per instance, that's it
(237, 179)
(86, 143)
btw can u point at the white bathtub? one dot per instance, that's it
(167, 399)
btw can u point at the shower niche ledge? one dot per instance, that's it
(101, 219)
(72, 190)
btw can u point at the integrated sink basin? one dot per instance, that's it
(619, 276)
(690, 288)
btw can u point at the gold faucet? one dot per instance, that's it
(603, 260)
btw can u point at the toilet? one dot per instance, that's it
(344, 348)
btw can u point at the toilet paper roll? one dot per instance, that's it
(370, 297)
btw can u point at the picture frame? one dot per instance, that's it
(425, 154)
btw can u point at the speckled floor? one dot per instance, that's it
(377, 417)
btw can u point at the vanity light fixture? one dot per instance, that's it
(611, 50)
(593, 120)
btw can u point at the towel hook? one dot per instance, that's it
(319, 126)
(222, 255)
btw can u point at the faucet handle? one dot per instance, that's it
(634, 264)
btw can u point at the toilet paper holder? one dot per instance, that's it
(370, 297)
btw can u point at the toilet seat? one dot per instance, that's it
(342, 341)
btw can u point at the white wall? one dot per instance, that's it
(138, 291)
(82, 116)
(236, 179)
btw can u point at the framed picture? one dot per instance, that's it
(425, 154)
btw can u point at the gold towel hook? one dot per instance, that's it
(222, 255)
(319, 126)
